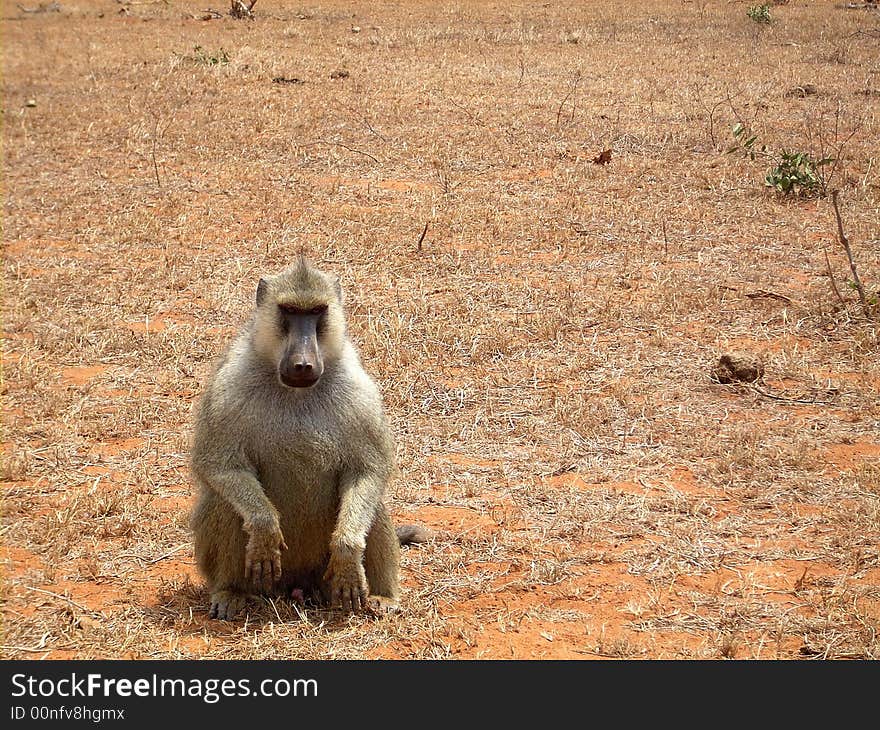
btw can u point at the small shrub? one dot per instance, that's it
(760, 13)
(797, 173)
(200, 55)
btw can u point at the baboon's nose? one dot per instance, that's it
(299, 373)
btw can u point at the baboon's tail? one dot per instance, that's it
(412, 534)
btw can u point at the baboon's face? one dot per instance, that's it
(300, 325)
(301, 364)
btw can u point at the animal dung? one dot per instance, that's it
(737, 367)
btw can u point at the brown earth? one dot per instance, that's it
(544, 351)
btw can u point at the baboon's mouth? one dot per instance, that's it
(301, 382)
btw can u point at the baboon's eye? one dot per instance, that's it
(294, 309)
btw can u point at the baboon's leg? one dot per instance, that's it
(382, 563)
(219, 541)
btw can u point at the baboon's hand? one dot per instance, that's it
(348, 581)
(262, 556)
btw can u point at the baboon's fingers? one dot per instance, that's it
(345, 597)
(257, 574)
(354, 597)
(276, 567)
(213, 612)
(363, 596)
(336, 596)
(270, 575)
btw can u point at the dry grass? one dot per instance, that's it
(544, 351)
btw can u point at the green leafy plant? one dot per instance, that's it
(745, 141)
(797, 173)
(200, 55)
(760, 13)
(794, 173)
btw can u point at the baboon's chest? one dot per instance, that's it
(300, 452)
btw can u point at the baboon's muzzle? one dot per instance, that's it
(301, 365)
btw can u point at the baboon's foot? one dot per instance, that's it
(226, 605)
(381, 605)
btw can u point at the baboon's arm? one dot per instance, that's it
(359, 494)
(241, 488)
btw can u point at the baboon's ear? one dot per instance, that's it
(262, 290)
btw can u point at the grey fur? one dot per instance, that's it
(293, 478)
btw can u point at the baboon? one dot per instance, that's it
(291, 455)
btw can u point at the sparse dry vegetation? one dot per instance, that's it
(543, 327)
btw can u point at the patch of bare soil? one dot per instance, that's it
(546, 246)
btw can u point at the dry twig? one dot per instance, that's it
(844, 241)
